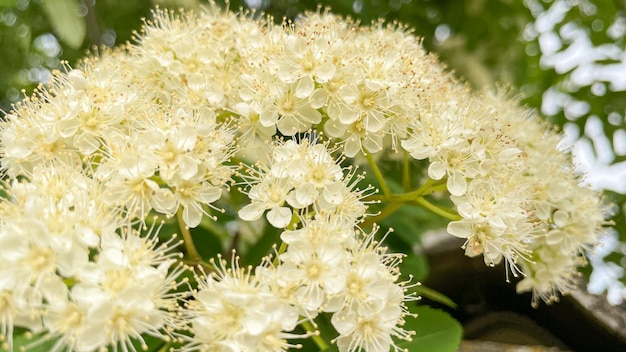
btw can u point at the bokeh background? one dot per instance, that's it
(565, 58)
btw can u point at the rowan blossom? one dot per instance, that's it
(302, 176)
(370, 309)
(315, 263)
(73, 268)
(151, 127)
(233, 309)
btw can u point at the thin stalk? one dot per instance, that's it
(166, 347)
(295, 220)
(378, 174)
(385, 212)
(406, 172)
(281, 250)
(417, 193)
(319, 341)
(437, 210)
(429, 186)
(194, 256)
(439, 187)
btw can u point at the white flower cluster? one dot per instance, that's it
(359, 85)
(233, 310)
(147, 156)
(257, 311)
(152, 127)
(303, 176)
(513, 189)
(566, 216)
(326, 267)
(483, 168)
(67, 273)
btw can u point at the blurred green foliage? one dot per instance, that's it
(488, 43)
(33, 45)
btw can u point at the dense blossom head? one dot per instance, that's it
(561, 239)
(71, 267)
(305, 177)
(166, 123)
(369, 310)
(511, 186)
(148, 156)
(234, 310)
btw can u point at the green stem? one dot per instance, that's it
(166, 347)
(429, 186)
(437, 210)
(385, 212)
(439, 187)
(417, 193)
(281, 250)
(194, 256)
(406, 171)
(378, 174)
(319, 341)
(435, 296)
(295, 220)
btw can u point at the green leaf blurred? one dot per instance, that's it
(262, 247)
(415, 265)
(66, 21)
(208, 244)
(24, 342)
(8, 3)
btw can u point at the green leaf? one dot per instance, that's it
(8, 3)
(415, 265)
(154, 344)
(32, 343)
(263, 247)
(434, 296)
(435, 331)
(207, 243)
(66, 21)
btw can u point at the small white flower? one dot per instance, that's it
(270, 194)
(319, 271)
(191, 195)
(369, 331)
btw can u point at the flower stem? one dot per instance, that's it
(448, 214)
(281, 250)
(378, 174)
(385, 212)
(319, 341)
(429, 186)
(194, 256)
(406, 171)
(166, 347)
